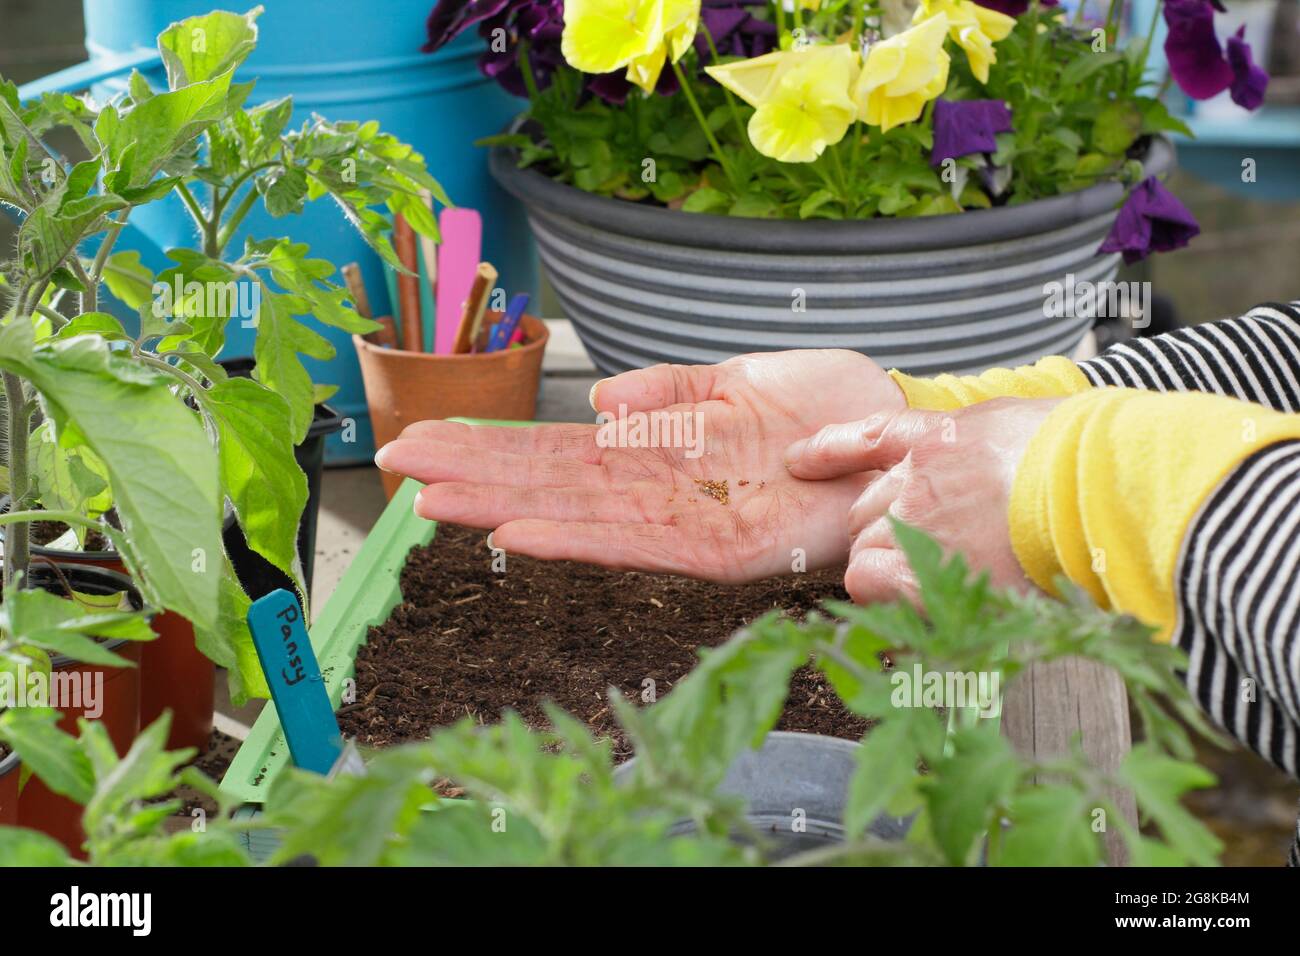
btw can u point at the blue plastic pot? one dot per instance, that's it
(342, 60)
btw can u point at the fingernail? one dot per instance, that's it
(795, 451)
(380, 457)
(591, 396)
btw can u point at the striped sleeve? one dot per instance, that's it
(1238, 606)
(1255, 357)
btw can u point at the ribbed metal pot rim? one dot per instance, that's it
(823, 236)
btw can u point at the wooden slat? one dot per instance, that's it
(1050, 703)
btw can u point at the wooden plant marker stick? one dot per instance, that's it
(294, 676)
(471, 316)
(357, 290)
(429, 288)
(408, 285)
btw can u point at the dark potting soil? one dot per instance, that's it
(467, 641)
(43, 532)
(214, 763)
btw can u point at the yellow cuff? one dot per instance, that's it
(1110, 482)
(1052, 377)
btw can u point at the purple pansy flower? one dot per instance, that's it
(450, 18)
(1013, 8)
(1249, 81)
(504, 23)
(967, 126)
(614, 87)
(1192, 49)
(1196, 58)
(1151, 220)
(539, 23)
(735, 31)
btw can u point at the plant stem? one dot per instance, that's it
(704, 126)
(1151, 32)
(57, 318)
(90, 297)
(192, 204)
(731, 99)
(12, 518)
(188, 380)
(839, 173)
(232, 223)
(17, 533)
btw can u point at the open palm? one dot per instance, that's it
(562, 491)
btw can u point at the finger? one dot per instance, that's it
(878, 443)
(431, 460)
(876, 536)
(878, 575)
(487, 506)
(874, 502)
(564, 441)
(647, 389)
(635, 547)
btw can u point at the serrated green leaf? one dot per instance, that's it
(199, 48)
(164, 477)
(1051, 825)
(48, 752)
(258, 468)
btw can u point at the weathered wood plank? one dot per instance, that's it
(1051, 702)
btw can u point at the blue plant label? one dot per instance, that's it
(294, 676)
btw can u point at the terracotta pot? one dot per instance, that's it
(174, 674)
(406, 387)
(9, 790)
(116, 700)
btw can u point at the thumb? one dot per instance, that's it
(877, 443)
(648, 389)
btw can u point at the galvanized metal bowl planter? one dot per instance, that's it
(796, 789)
(959, 293)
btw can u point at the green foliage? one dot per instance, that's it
(551, 796)
(1078, 116)
(149, 425)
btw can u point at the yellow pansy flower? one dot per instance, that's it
(680, 20)
(902, 74)
(801, 99)
(601, 36)
(750, 79)
(975, 29)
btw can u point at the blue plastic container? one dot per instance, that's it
(343, 60)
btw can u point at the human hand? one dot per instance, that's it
(948, 474)
(559, 491)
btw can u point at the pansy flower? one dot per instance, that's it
(967, 126)
(1196, 59)
(1014, 8)
(1151, 220)
(800, 98)
(900, 75)
(734, 30)
(601, 36)
(974, 28)
(681, 19)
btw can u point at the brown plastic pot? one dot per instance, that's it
(39, 808)
(406, 387)
(9, 790)
(174, 674)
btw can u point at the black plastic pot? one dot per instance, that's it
(258, 576)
